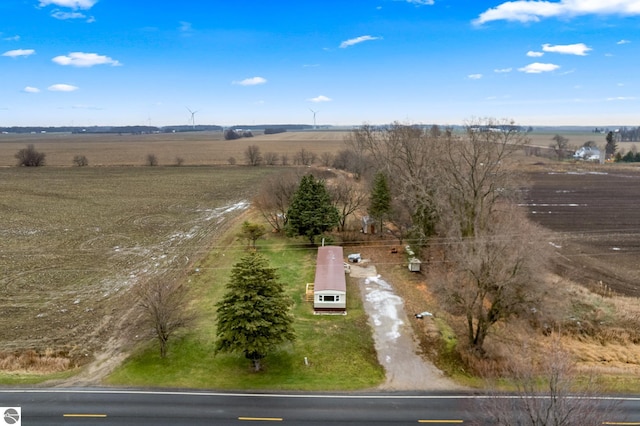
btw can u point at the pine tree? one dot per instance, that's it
(254, 315)
(611, 147)
(311, 212)
(380, 203)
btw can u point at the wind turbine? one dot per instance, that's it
(193, 117)
(314, 118)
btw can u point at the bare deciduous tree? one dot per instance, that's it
(152, 160)
(270, 158)
(164, 303)
(274, 198)
(304, 157)
(493, 274)
(410, 158)
(476, 174)
(560, 146)
(326, 159)
(346, 197)
(284, 159)
(29, 157)
(548, 393)
(352, 161)
(253, 156)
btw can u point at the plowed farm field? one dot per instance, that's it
(595, 214)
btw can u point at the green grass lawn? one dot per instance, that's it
(339, 349)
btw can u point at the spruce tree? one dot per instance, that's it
(380, 202)
(254, 315)
(311, 212)
(611, 147)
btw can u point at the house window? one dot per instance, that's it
(328, 298)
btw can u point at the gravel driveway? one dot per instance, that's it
(394, 341)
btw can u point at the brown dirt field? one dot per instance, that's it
(195, 148)
(594, 214)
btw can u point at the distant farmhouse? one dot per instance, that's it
(330, 285)
(587, 153)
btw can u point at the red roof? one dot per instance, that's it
(330, 269)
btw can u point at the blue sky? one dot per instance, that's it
(125, 62)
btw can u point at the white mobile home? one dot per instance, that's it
(330, 286)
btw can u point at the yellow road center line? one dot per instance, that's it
(261, 419)
(622, 423)
(85, 415)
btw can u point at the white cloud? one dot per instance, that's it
(503, 70)
(622, 98)
(537, 68)
(357, 40)
(30, 89)
(81, 59)
(67, 15)
(62, 88)
(72, 4)
(17, 38)
(320, 98)
(533, 54)
(579, 49)
(253, 81)
(421, 2)
(19, 52)
(474, 76)
(534, 11)
(623, 42)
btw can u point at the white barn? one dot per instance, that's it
(330, 285)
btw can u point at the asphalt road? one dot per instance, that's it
(131, 407)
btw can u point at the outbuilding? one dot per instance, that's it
(330, 285)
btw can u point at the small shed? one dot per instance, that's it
(414, 264)
(368, 225)
(330, 285)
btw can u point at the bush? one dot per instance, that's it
(179, 161)
(80, 160)
(232, 161)
(29, 157)
(152, 160)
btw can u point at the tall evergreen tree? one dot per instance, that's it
(254, 315)
(311, 212)
(380, 202)
(611, 147)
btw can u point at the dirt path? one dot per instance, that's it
(394, 341)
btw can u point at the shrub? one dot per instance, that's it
(152, 160)
(80, 160)
(29, 157)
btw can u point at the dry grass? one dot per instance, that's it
(31, 361)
